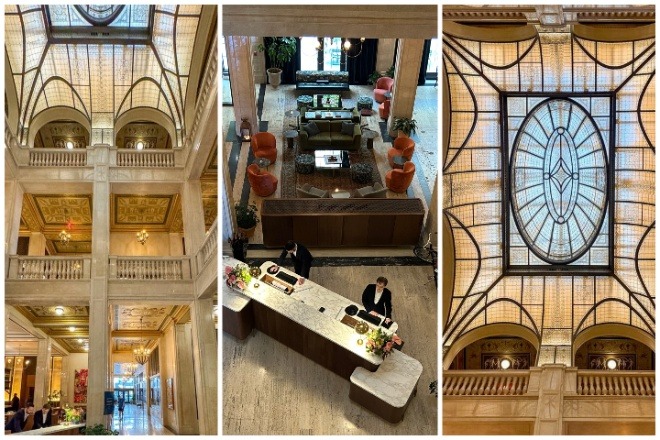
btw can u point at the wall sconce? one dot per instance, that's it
(505, 364)
(139, 145)
(142, 236)
(69, 145)
(59, 310)
(611, 364)
(246, 130)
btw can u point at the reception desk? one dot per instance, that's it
(72, 429)
(296, 320)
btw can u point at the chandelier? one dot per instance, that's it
(141, 354)
(142, 236)
(130, 369)
(65, 235)
(347, 46)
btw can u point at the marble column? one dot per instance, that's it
(194, 229)
(205, 354)
(64, 382)
(37, 245)
(406, 74)
(239, 61)
(99, 331)
(551, 399)
(385, 56)
(42, 375)
(184, 381)
(13, 206)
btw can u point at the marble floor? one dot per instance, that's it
(272, 107)
(136, 422)
(268, 388)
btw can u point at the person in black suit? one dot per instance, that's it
(302, 258)
(15, 403)
(377, 298)
(20, 418)
(42, 417)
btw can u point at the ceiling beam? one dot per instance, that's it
(136, 334)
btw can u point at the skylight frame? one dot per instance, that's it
(559, 269)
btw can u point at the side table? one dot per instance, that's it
(398, 162)
(262, 162)
(290, 136)
(369, 135)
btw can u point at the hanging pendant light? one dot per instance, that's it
(141, 354)
(142, 236)
(65, 235)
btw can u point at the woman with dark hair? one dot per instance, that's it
(377, 298)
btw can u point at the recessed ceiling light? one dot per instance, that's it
(72, 329)
(27, 362)
(59, 310)
(80, 341)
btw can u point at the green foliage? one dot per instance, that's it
(376, 74)
(98, 430)
(405, 125)
(246, 215)
(280, 50)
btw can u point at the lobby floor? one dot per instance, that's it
(268, 388)
(135, 422)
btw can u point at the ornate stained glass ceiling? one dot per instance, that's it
(483, 68)
(102, 78)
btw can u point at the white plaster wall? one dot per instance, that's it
(126, 244)
(76, 361)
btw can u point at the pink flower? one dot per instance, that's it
(240, 284)
(388, 346)
(232, 278)
(397, 340)
(227, 270)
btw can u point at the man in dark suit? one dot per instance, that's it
(377, 298)
(42, 417)
(20, 419)
(302, 258)
(15, 403)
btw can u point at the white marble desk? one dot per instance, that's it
(57, 429)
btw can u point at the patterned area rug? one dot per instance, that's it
(322, 179)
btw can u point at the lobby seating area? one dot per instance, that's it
(262, 183)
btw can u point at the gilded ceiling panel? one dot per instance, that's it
(128, 317)
(59, 210)
(138, 210)
(49, 311)
(153, 136)
(210, 210)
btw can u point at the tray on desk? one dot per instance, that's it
(277, 283)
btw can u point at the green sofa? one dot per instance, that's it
(331, 137)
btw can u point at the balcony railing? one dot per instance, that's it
(55, 157)
(615, 383)
(48, 268)
(210, 246)
(485, 383)
(150, 268)
(146, 158)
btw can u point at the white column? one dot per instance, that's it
(185, 380)
(13, 206)
(37, 245)
(42, 376)
(551, 400)
(99, 331)
(205, 354)
(194, 229)
(406, 74)
(239, 61)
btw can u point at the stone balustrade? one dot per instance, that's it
(57, 157)
(150, 268)
(210, 245)
(146, 158)
(48, 268)
(615, 383)
(485, 382)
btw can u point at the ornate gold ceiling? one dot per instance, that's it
(60, 327)
(151, 134)
(57, 133)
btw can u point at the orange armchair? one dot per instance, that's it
(262, 182)
(402, 146)
(264, 145)
(384, 84)
(384, 109)
(399, 180)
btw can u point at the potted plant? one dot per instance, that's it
(246, 218)
(404, 125)
(98, 429)
(280, 50)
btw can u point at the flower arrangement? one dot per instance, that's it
(54, 396)
(73, 415)
(380, 342)
(238, 276)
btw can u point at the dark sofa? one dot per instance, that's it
(322, 80)
(331, 137)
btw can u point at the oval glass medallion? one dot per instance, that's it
(558, 187)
